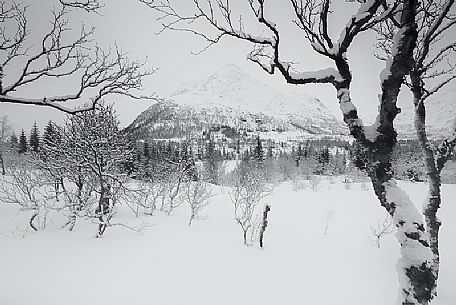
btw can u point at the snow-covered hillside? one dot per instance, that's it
(206, 264)
(234, 99)
(440, 119)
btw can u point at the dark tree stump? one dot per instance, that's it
(264, 224)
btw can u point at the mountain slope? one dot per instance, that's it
(231, 98)
(440, 119)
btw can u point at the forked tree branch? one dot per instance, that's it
(96, 73)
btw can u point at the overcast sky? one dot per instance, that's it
(133, 26)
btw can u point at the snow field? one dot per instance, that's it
(172, 263)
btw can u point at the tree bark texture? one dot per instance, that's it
(433, 201)
(416, 276)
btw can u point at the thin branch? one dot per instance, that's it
(87, 5)
(98, 73)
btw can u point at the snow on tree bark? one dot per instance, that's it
(416, 277)
(433, 200)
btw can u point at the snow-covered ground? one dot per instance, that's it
(172, 263)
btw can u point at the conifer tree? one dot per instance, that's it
(323, 160)
(212, 160)
(144, 160)
(22, 143)
(238, 147)
(155, 159)
(51, 136)
(14, 142)
(34, 138)
(299, 154)
(146, 151)
(189, 161)
(339, 162)
(258, 152)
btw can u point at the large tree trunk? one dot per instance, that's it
(432, 204)
(433, 226)
(417, 279)
(416, 276)
(415, 268)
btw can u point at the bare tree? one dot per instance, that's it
(91, 152)
(96, 72)
(144, 195)
(26, 187)
(248, 188)
(177, 176)
(433, 68)
(197, 194)
(155, 191)
(315, 182)
(69, 175)
(176, 168)
(377, 141)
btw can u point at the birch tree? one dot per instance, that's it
(313, 17)
(95, 137)
(433, 69)
(247, 188)
(89, 158)
(197, 195)
(59, 55)
(24, 186)
(65, 167)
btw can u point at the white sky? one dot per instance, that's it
(133, 26)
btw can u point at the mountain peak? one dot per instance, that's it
(226, 77)
(230, 71)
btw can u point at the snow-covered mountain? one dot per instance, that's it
(440, 117)
(232, 99)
